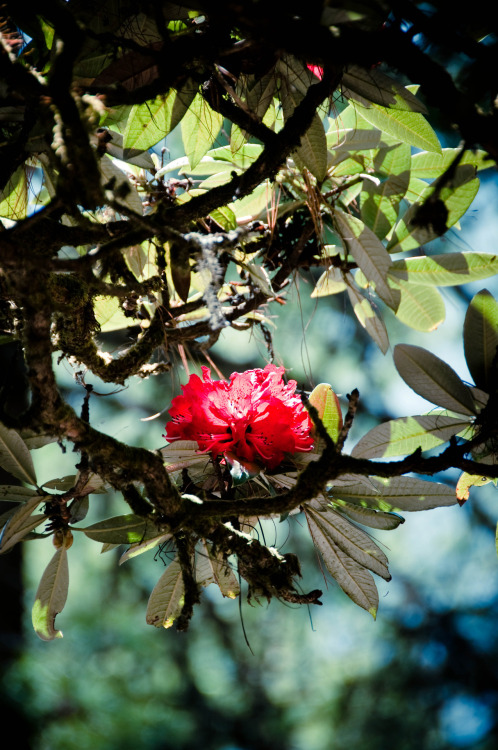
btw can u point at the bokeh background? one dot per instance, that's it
(423, 676)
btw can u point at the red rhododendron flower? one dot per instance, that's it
(255, 415)
(316, 70)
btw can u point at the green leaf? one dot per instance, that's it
(354, 579)
(150, 122)
(225, 217)
(447, 269)
(135, 156)
(368, 318)
(110, 315)
(404, 435)
(408, 127)
(433, 379)
(367, 250)
(127, 529)
(420, 307)
(398, 494)
(330, 282)
(21, 523)
(166, 600)
(480, 337)
(428, 165)
(326, 403)
(376, 88)
(312, 151)
(466, 481)
(379, 203)
(200, 127)
(14, 196)
(435, 212)
(51, 596)
(15, 457)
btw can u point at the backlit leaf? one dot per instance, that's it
(435, 213)
(404, 435)
(375, 87)
(150, 122)
(420, 307)
(200, 127)
(446, 269)
(326, 403)
(408, 127)
(427, 164)
(330, 282)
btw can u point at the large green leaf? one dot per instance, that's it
(420, 307)
(447, 269)
(14, 196)
(433, 379)
(51, 596)
(330, 282)
(432, 216)
(150, 122)
(379, 203)
(312, 151)
(408, 127)
(480, 337)
(404, 435)
(373, 87)
(399, 493)
(200, 127)
(326, 403)
(166, 600)
(15, 456)
(427, 164)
